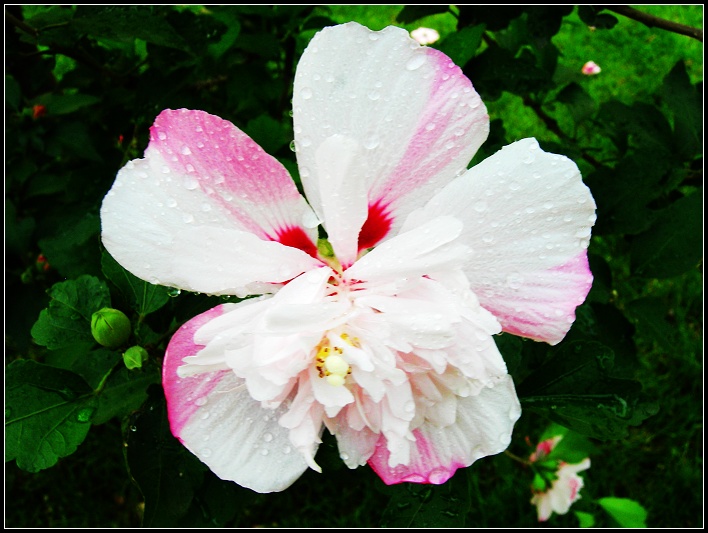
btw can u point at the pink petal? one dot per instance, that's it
(213, 415)
(406, 111)
(483, 427)
(206, 210)
(527, 216)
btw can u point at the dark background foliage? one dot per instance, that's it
(87, 441)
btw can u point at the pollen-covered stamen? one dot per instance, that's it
(330, 362)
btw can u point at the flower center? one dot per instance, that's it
(330, 358)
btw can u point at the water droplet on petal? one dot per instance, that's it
(173, 292)
(201, 401)
(344, 456)
(480, 206)
(267, 437)
(264, 451)
(306, 93)
(206, 452)
(185, 150)
(162, 135)
(190, 183)
(415, 62)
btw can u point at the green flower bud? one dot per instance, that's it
(110, 327)
(134, 357)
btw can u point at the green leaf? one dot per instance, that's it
(623, 194)
(579, 103)
(418, 506)
(461, 46)
(626, 512)
(575, 388)
(164, 470)
(125, 391)
(585, 519)
(13, 93)
(591, 16)
(685, 101)
(267, 132)
(72, 250)
(48, 412)
(673, 243)
(143, 297)
(126, 23)
(414, 12)
(67, 320)
(650, 317)
(63, 104)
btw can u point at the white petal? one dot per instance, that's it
(213, 415)
(207, 210)
(413, 115)
(483, 427)
(527, 216)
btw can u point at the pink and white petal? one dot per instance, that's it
(415, 118)
(181, 220)
(527, 216)
(213, 415)
(355, 445)
(483, 427)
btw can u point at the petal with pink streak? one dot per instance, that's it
(192, 215)
(483, 427)
(213, 415)
(414, 118)
(528, 217)
(227, 166)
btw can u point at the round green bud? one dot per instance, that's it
(110, 327)
(134, 357)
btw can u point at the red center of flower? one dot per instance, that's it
(376, 227)
(297, 238)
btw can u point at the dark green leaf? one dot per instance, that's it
(73, 249)
(461, 46)
(674, 242)
(126, 23)
(125, 391)
(419, 506)
(166, 473)
(414, 12)
(650, 316)
(495, 18)
(622, 208)
(142, 296)
(48, 412)
(63, 104)
(685, 101)
(67, 320)
(591, 16)
(579, 103)
(267, 132)
(13, 93)
(575, 389)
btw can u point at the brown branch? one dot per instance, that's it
(652, 21)
(21, 24)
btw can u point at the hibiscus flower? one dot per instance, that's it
(382, 332)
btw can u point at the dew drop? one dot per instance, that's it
(287, 450)
(293, 146)
(430, 126)
(305, 141)
(415, 62)
(188, 218)
(165, 169)
(201, 401)
(206, 208)
(162, 135)
(267, 437)
(171, 202)
(206, 452)
(185, 150)
(205, 415)
(264, 451)
(344, 456)
(190, 183)
(480, 206)
(133, 428)
(371, 143)
(306, 93)
(514, 281)
(374, 95)
(173, 292)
